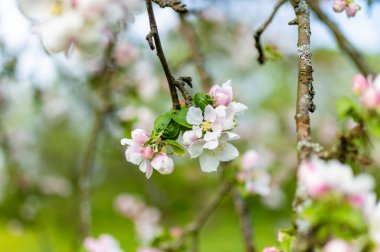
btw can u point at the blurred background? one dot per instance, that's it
(47, 112)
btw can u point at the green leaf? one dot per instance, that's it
(172, 130)
(347, 108)
(201, 100)
(166, 127)
(178, 149)
(179, 116)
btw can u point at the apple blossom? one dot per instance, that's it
(146, 219)
(359, 84)
(337, 245)
(147, 249)
(318, 177)
(348, 5)
(84, 24)
(351, 9)
(270, 249)
(222, 95)
(339, 5)
(253, 173)
(163, 163)
(210, 158)
(105, 243)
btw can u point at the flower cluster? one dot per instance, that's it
(105, 243)
(253, 174)
(146, 219)
(318, 178)
(206, 129)
(144, 152)
(354, 224)
(86, 24)
(346, 5)
(368, 89)
(212, 120)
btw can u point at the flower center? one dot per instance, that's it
(57, 8)
(206, 126)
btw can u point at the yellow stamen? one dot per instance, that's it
(57, 8)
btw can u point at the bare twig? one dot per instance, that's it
(245, 220)
(176, 5)
(194, 228)
(153, 35)
(189, 33)
(342, 41)
(180, 84)
(261, 58)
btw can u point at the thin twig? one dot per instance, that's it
(189, 33)
(176, 5)
(160, 53)
(245, 219)
(261, 58)
(342, 41)
(196, 226)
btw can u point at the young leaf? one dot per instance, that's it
(347, 108)
(166, 127)
(179, 116)
(177, 148)
(201, 100)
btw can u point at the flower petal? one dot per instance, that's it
(211, 145)
(147, 168)
(210, 114)
(194, 116)
(211, 136)
(208, 162)
(196, 148)
(227, 152)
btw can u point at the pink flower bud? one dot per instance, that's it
(359, 84)
(124, 54)
(339, 5)
(176, 231)
(351, 9)
(140, 136)
(222, 95)
(147, 153)
(270, 249)
(182, 102)
(371, 98)
(337, 245)
(318, 189)
(163, 163)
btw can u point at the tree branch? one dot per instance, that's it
(261, 58)
(188, 32)
(245, 219)
(194, 228)
(305, 90)
(342, 41)
(160, 53)
(176, 5)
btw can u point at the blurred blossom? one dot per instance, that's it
(146, 219)
(54, 107)
(125, 53)
(270, 249)
(142, 117)
(318, 177)
(30, 207)
(176, 232)
(55, 185)
(368, 89)
(338, 245)
(147, 249)
(85, 25)
(348, 5)
(327, 130)
(105, 243)
(275, 199)
(213, 14)
(145, 79)
(253, 174)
